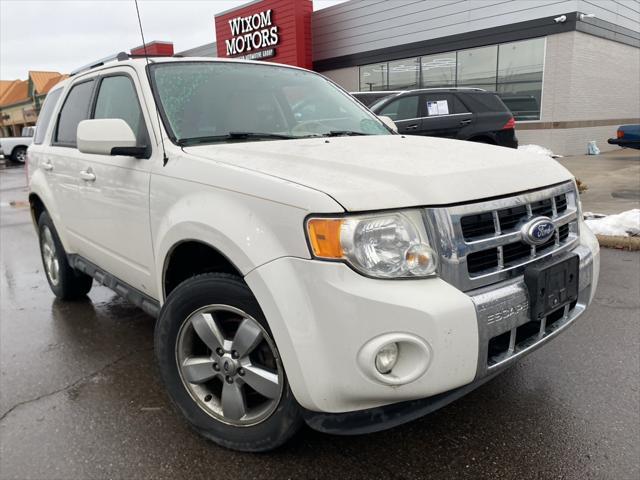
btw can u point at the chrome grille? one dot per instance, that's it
(481, 243)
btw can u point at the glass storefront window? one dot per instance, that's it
(373, 77)
(514, 70)
(520, 68)
(477, 67)
(404, 74)
(439, 70)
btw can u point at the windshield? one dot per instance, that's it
(204, 102)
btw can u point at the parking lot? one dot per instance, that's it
(80, 396)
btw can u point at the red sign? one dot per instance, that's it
(154, 49)
(272, 30)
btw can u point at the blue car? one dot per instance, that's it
(627, 136)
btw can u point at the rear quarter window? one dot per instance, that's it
(484, 102)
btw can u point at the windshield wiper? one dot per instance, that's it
(260, 135)
(233, 136)
(343, 133)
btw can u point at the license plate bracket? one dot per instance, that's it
(552, 284)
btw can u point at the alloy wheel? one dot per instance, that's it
(229, 365)
(50, 257)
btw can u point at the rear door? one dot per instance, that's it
(62, 162)
(490, 113)
(404, 111)
(444, 115)
(39, 153)
(114, 190)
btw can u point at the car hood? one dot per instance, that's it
(391, 171)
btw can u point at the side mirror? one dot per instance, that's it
(389, 123)
(108, 136)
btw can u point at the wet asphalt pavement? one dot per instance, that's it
(80, 395)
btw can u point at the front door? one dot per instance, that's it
(404, 112)
(114, 190)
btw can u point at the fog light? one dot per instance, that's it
(387, 357)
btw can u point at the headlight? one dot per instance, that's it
(389, 245)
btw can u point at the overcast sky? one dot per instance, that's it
(64, 35)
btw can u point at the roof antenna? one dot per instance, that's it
(144, 46)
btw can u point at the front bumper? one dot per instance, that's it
(322, 314)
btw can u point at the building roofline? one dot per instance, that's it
(540, 27)
(15, 104)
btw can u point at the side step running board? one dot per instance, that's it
(135, 296)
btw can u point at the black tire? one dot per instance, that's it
(68, 284)
(18, 154)
(190, 296)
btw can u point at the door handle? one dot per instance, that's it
(47, 165)
(412, 127)
(465, 122)
(88, 175)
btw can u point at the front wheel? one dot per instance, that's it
(221, 366)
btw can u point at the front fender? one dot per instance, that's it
(247, 230)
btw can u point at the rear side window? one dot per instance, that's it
(403, 108)
(74, 110)
(485, 102)
(45, 115)
(436, 104)
(117, 99)
(458, 106)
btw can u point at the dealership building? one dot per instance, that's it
(569, 70)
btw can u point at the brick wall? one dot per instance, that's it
(590, 78)
(585, 78)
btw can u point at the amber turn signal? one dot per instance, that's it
(324, 236)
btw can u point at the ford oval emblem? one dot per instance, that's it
(538, 231)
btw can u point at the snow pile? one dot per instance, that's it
(539, 150)
(625, 224)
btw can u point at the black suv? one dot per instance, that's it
(462, 113)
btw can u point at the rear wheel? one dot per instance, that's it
(19, 154)
(221, 366)
(65, 282)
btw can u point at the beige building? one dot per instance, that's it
(20, 100)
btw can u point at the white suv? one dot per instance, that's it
(305, 262)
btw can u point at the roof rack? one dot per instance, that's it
(91, 65)
(475, 89)
(119, 57)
